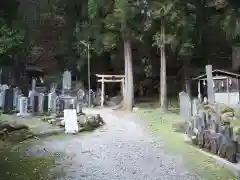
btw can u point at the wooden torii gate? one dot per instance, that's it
(110, 78)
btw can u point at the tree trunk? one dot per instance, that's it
(187, 80)
(125, 95)
(163, 80)
(129, 88)
(236, 47)
(236, 57)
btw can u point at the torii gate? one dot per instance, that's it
(110, 78)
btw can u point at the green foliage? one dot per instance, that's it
(109, 40)
(170, 13)
(229, 23)
(10, 38)
(113, 20)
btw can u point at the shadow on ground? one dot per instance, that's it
(17, 165)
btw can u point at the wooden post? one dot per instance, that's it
(210, 84)
(238, 90)
(218, 114)
(1, 76)
(199, 91)
(102, 93)
(122, 87)
(228, 90)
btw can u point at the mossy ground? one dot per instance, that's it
(161, 125)
(15, 165)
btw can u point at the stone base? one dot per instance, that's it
(23, 114)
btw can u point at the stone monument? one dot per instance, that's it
(70, 120)
(66, 81)
(66, 99)
(23, 107)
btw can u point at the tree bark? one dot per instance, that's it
(236, 57)
(163, 80)
(187, 80)
(129, 87)
(126, 76)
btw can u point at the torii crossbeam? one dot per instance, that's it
(110, 78)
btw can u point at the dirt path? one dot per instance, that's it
(120, 150)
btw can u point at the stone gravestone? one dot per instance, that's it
(45, 103)
(30, 99)
(53, 88)
(2, 98)
(218, 116)
(78, 108)
(32, 94)
(194, 107)
(23, 106)
(80, 95)
(3, 94)
(74, 102)
(52, 97)
(67, 81)
(8, 101)
(50, 102)
(35, 106)
(203, 120)
(97, 99)
(16, 92)
(54, 102)
(29, 107)
(40, 104)
(18, 102)
(185, 105)
(58, 106)
(70, 120)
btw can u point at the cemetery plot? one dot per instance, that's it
(62, 110)
(75, 124)
(209, 127)
(209, 123)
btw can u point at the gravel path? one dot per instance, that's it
(121, 150)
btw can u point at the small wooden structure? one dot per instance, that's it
(110, 78)
(225, 84)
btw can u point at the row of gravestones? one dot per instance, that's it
(11, 100)
(207, 130)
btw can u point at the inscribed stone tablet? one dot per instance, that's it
(70, 119)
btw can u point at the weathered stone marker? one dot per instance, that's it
(66, 81)
(70, 120)
(40, 104)
(8, 101)
(210, 90)
(23, 106)
(194, 107)
(2, 98)
(18, 102)
(52, 97)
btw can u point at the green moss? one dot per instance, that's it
(161, 125)
(16, 166)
